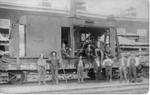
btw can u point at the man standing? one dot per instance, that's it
(123, 68)
(107, 63)
(132, 68)
(90, 54)
(97, 67)
(99, 58)
(80, 70)
(41, 69)
(54, 65)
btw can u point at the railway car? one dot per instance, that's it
(28, 32)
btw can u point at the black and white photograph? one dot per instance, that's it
(74, 47)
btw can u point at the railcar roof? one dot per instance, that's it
(65, 13)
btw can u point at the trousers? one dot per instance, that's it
(80, 74)
(132, 73)
(123, 73)
(41, 74)
(54, 71)
(108, 71)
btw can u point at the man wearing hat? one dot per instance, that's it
(54, 66)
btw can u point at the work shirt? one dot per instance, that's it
(64, 53)
(131, 61)
(97, 62)
(80, 63)
(107, 62)
(41, 62)
(89, 52)
(99, 52)
(54, 63)
(137, 60)
(123, 62)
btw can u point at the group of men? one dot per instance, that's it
(98, 58)
(128, 65)
(53, 62)
(101, 57)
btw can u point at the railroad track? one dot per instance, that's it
(85, 88)
(133, 88)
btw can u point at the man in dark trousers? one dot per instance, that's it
(132, 68)
(54, 65)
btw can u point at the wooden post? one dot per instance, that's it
(117, 43)
(72, 15)
(105, 38)
(18, 58)
(112, 39)
(72, 39)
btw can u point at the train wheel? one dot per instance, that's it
(16, 78)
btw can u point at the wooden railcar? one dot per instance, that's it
(32, 32)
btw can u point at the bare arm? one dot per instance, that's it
(102, 55)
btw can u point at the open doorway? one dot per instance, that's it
(65, 36)
(92, 34)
